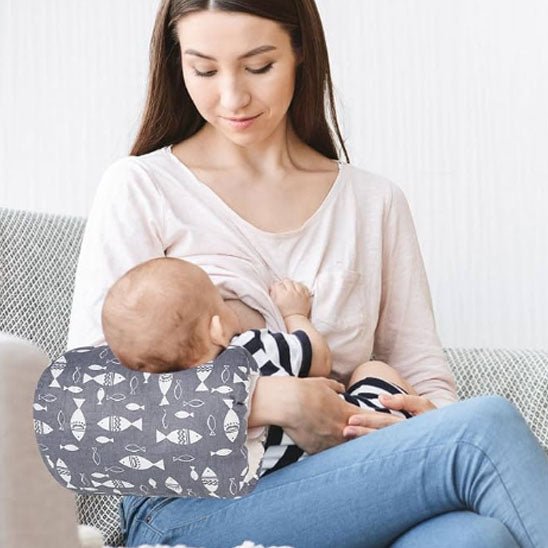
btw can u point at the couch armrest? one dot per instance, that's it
(34, 509)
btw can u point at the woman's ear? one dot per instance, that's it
(217, 331)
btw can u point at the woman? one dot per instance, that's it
(235, 168)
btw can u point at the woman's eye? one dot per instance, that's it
(211, 73)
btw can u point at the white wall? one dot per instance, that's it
(448, 98)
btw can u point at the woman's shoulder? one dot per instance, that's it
(154, 169)
(370, 184)
(145, 163)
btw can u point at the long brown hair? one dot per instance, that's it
(169, 114)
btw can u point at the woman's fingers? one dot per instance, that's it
(336, 385)
(374, 419)
(406, 402)
(351, 432)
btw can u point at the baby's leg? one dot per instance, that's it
(380, 370)
(371, 379)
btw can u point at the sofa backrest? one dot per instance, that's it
(38, 257)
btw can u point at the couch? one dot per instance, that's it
(38, 257)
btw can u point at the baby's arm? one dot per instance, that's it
(294, 301)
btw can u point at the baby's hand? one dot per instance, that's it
(291, 298)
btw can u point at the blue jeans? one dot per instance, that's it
(469, 474)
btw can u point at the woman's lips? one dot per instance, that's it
(241, 123)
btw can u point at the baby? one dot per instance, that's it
(166, 314)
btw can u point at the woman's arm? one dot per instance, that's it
(308, 409)
(406, 337)
(124, 228)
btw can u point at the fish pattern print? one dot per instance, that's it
(179, 434)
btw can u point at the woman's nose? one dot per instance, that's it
(233, 95)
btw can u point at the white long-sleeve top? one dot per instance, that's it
(358, 253)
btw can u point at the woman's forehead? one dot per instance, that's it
(216, 33)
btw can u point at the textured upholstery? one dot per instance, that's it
(38, 257)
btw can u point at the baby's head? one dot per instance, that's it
(164, 315)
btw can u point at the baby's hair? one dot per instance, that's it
(156, 298)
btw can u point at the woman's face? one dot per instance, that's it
(238, 66)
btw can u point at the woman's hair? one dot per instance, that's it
(169, 114)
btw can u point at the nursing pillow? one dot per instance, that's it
(103, 429)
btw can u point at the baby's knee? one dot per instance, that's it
(376, 368)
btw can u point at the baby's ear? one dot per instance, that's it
(216, 331)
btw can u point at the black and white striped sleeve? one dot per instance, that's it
(278, 353)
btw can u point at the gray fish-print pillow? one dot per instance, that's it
(105, 429)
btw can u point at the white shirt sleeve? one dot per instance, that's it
(406, 336)
(124, 228)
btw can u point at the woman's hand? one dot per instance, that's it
(365, 423)
(316, 414)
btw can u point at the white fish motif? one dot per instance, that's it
(100, 396)
(182, 436)
(143, 489)
(146, 377)
(137, 462)
(134, 448)
(40, 427)
(115, 423)
(183, 458)
(115, 469)
(96, 367)
(183, 414)
(173, 485)
(210, 480)
(69, 447)
(63, 471)
(116, 397)
(194, 474)
(83, 479)
(233, 487)
(225, 374)
(178, 390)
(193, 403)
(236, 379)
(223, 389)
(73, 389)
(76, 375)
(78, 420)
(50, 462)
(212, 425)
(134, 407)
(56, 369)
(164, 382)
(104, 439)
(133, 384)
(113, 483)
(221, 452)
(95, 456)
(110, 378)
(231, 422)
(38, 407)
(47, 397)
(99, 475)
(152, 483)
(61, 420)
(203, 372)
(164, 420)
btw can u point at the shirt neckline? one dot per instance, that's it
(329, 197)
